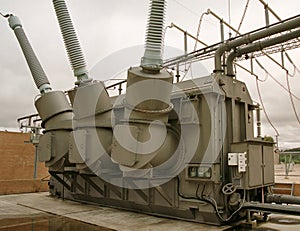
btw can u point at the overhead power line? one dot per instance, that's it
(187, 8)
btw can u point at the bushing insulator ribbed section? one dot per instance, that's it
(69, 36)
(35, 67)
(154, 36)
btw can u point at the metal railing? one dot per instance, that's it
(288, 161)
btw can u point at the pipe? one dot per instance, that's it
(258, 121)
(249, 38)
(280, 198)
(152, 59)
(258, 46)
(266, 207)
(72, 44)
(38, 74)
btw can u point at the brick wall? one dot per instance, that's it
(17, 165)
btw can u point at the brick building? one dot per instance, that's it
(17, 165)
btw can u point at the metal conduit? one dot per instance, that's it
(38, 74)
(249, 38)
(258, 46)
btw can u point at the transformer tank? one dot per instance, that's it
(216, 165)
(185, 150)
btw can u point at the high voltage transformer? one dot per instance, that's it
(185, 150)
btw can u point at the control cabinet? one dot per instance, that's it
(251, 164)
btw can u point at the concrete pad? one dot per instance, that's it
(126, 220)
(104, 218)
(42, 203)
(45, 203)
(8, 209)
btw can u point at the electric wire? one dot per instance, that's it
(196, 43)
(291, 98)
(185, 7)
(273, 77)
(208, 52)
(5, 15)
(288, 89)
(264, 109)
(266, 72)
(294, 73)
(199, 29)
(234, 213)
(273, 60)
(229, 17)
(243, 17)
(250, 72)
(281, 65)
(210, 200)
(296, 69)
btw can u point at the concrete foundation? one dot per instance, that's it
(41, 204)
(46, 210)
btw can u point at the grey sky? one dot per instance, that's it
(105, 27)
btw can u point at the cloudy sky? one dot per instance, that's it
(108, 27)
